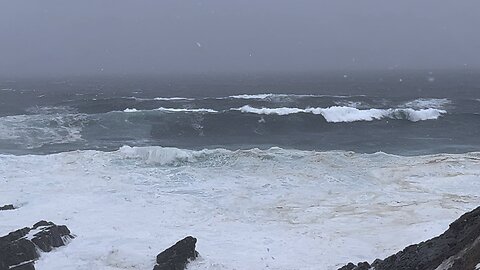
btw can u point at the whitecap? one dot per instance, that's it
(257, 96)
(337, 114)
(200, 110)
(172, 98)
(186, 110)
(278, 111)
(128, 110)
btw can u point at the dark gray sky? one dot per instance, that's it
(181, 36)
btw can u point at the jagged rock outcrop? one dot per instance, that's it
(177, 256)
(458, 248)
(359, 266)
(7, 207)
(18, 249)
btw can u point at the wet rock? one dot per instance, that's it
(28, 266)
(18, 249)
(177, 256)
(360, 266)
(50, 236)
(7, 207)
(458, 248)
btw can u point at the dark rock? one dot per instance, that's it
(7, 207)
(458, 248)
(51, 237)
(363, 266)
(177, 256)
(360, 266)
(15, 235)
(42, 223)
(349, 266)
(19, 252)
(27, 266)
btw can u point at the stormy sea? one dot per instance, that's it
(268, 172)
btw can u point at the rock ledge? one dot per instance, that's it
(458, 248)
(177, 256)
(18, 249)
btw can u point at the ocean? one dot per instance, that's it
(267, 171)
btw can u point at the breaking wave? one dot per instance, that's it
(172, 156)
(169, 155)
(337, 114)
(334, 114)
(172, 98)
(128, 110)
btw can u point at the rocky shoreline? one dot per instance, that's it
(458, 248)
(20, 249)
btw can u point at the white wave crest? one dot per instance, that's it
(257, 96)
(156, 154)
(334, 114)
(337, 114)
(172, 98)
(170, 155)
(185, 110)
(278, 111)
(419, 115)
(132, 110)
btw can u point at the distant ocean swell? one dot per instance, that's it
(312, 122)
(343, 109)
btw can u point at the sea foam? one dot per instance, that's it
(249, 209)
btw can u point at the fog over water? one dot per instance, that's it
(163, 37)
(299, 134)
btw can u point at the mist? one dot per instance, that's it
(218, 36)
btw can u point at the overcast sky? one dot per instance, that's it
(181, 36)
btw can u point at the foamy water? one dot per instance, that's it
(249, 209)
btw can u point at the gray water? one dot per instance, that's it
(49, 115)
